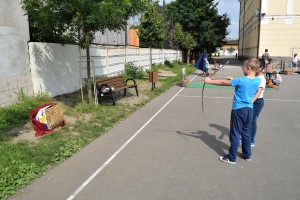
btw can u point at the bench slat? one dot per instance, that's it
(117, 82)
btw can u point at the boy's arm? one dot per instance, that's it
(258, 92)
(217, 82)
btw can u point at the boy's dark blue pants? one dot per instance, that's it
(240, 126)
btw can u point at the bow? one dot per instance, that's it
(203, 90)
(216, 70)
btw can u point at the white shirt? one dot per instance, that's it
(278, 77)
(295, 60)
(262, 85)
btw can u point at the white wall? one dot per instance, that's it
(14, 62)
(56, 68)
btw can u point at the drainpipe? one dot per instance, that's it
(243, 28)
(239, 31)
(259, 25)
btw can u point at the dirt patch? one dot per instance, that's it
(163, 73)
(25, 133)
(132, 100)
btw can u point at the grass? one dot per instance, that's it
(24, 161)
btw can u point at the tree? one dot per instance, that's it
(177, 35)
(200, 18)
(188, 43)
(63, 19)
(183, 39)
(152, 30)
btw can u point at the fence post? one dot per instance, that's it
(107, 66)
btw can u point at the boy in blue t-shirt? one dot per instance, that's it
(242, 109)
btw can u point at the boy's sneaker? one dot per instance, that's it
(247, 159)
(226, 160)
(252, 145)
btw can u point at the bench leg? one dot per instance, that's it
(99, 97)
(125, 92)
(113, 99)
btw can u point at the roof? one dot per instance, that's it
(231, 42)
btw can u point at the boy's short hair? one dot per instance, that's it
(253, 63)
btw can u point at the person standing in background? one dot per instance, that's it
(295, 62)
(206, 65)
(269, 69)
(265, 57)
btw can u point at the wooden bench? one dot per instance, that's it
(108, 86)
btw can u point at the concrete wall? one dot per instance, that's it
(14, 62)
(111, 37)
(58, 69)
(54, 68)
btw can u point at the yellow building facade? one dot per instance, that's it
(272, 25)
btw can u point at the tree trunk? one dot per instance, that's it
(88, 65)
(188, 56)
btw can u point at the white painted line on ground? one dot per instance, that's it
(121, 148)
(211, 97)
(282, 100)
(197, 96)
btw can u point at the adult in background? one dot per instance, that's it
(295, 62)
(265, 57)
(269, 69)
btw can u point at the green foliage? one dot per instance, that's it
(68, 148)
(183, 39)
(200, 18)
(188, 41)
(132, 71)
(169, 64)
(17, 174)
(152, 28)
(19, 112)
(177, 34)
(22, 162)
(78, 20)
(60, 21)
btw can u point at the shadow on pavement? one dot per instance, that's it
(224, 131)
(210, 140)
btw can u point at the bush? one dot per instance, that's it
(19, 111)
(132, 71)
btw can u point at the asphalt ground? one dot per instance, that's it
(169, 150)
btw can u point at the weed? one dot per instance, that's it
(132, 71)
(23, 162)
